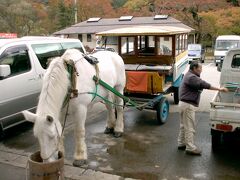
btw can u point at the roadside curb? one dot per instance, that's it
(70, 172)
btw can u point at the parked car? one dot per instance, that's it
(222, 45)
(225, 107)
(23, 62)
(196, 53)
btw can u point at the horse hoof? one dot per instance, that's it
(79, 163)
(109, 130)
(118, 134)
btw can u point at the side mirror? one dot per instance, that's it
(4, 71)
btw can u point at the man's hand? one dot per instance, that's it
(223, 89)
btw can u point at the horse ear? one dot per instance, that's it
(29, 116)
(49, 118)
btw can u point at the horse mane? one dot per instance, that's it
(54, 89)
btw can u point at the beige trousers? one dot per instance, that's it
(188, 125)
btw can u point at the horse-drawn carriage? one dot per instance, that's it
(155, 58)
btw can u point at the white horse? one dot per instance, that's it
(49, 114)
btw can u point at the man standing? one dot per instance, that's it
(190, 92)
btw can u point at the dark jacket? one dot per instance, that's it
(191, 88)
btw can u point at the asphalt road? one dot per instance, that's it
(146, 151)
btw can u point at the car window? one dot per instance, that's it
(236, 61)
(17, 58)
(72, 45)
(47, 51)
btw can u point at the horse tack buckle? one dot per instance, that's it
(74, 93)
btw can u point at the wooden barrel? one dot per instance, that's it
(39, 170)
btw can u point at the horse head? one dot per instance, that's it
(48, 132)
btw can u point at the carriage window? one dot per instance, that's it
(185, 41)
(127, 45)
(141, 43)
(46, 51)
(181, 43)
(72, 45)
(18, 60)
(177, 45)
(236, 61)
(165, 45)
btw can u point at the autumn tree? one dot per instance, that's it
(17, 16)
(65, 14)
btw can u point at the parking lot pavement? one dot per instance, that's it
(146, 151)
(15, 167)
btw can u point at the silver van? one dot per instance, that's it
(23, 62)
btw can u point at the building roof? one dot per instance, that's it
(100, 25)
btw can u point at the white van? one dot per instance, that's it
(223, 44)
(23, 62)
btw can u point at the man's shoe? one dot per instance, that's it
(195, 152)
(183, 147)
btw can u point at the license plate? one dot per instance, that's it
(224, 127)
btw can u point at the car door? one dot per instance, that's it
(18, 91)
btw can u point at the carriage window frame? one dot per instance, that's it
(177, 45)
(13, 51)
(127, 52)
(186, 42)
(169, 39)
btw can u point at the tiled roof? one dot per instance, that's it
(114, 23)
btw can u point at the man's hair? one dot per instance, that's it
(194, 65)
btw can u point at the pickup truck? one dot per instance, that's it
(23, 62)
(225, 107)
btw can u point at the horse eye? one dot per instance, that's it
(49, 118)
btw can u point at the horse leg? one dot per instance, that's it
(80, 155)
(111, 117)
(118, 130)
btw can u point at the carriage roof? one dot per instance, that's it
(145, 30)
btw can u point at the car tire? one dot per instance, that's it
(176, 95)
(217, 140)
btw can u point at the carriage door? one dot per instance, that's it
(20, 89)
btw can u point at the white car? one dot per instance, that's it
(23, 62)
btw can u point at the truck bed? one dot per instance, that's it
(225, 107)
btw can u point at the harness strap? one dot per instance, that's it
(95, 94)
(72, 91)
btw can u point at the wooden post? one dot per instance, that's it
(119, 45)
(156, 38)
(174, 46)
(136, 45)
